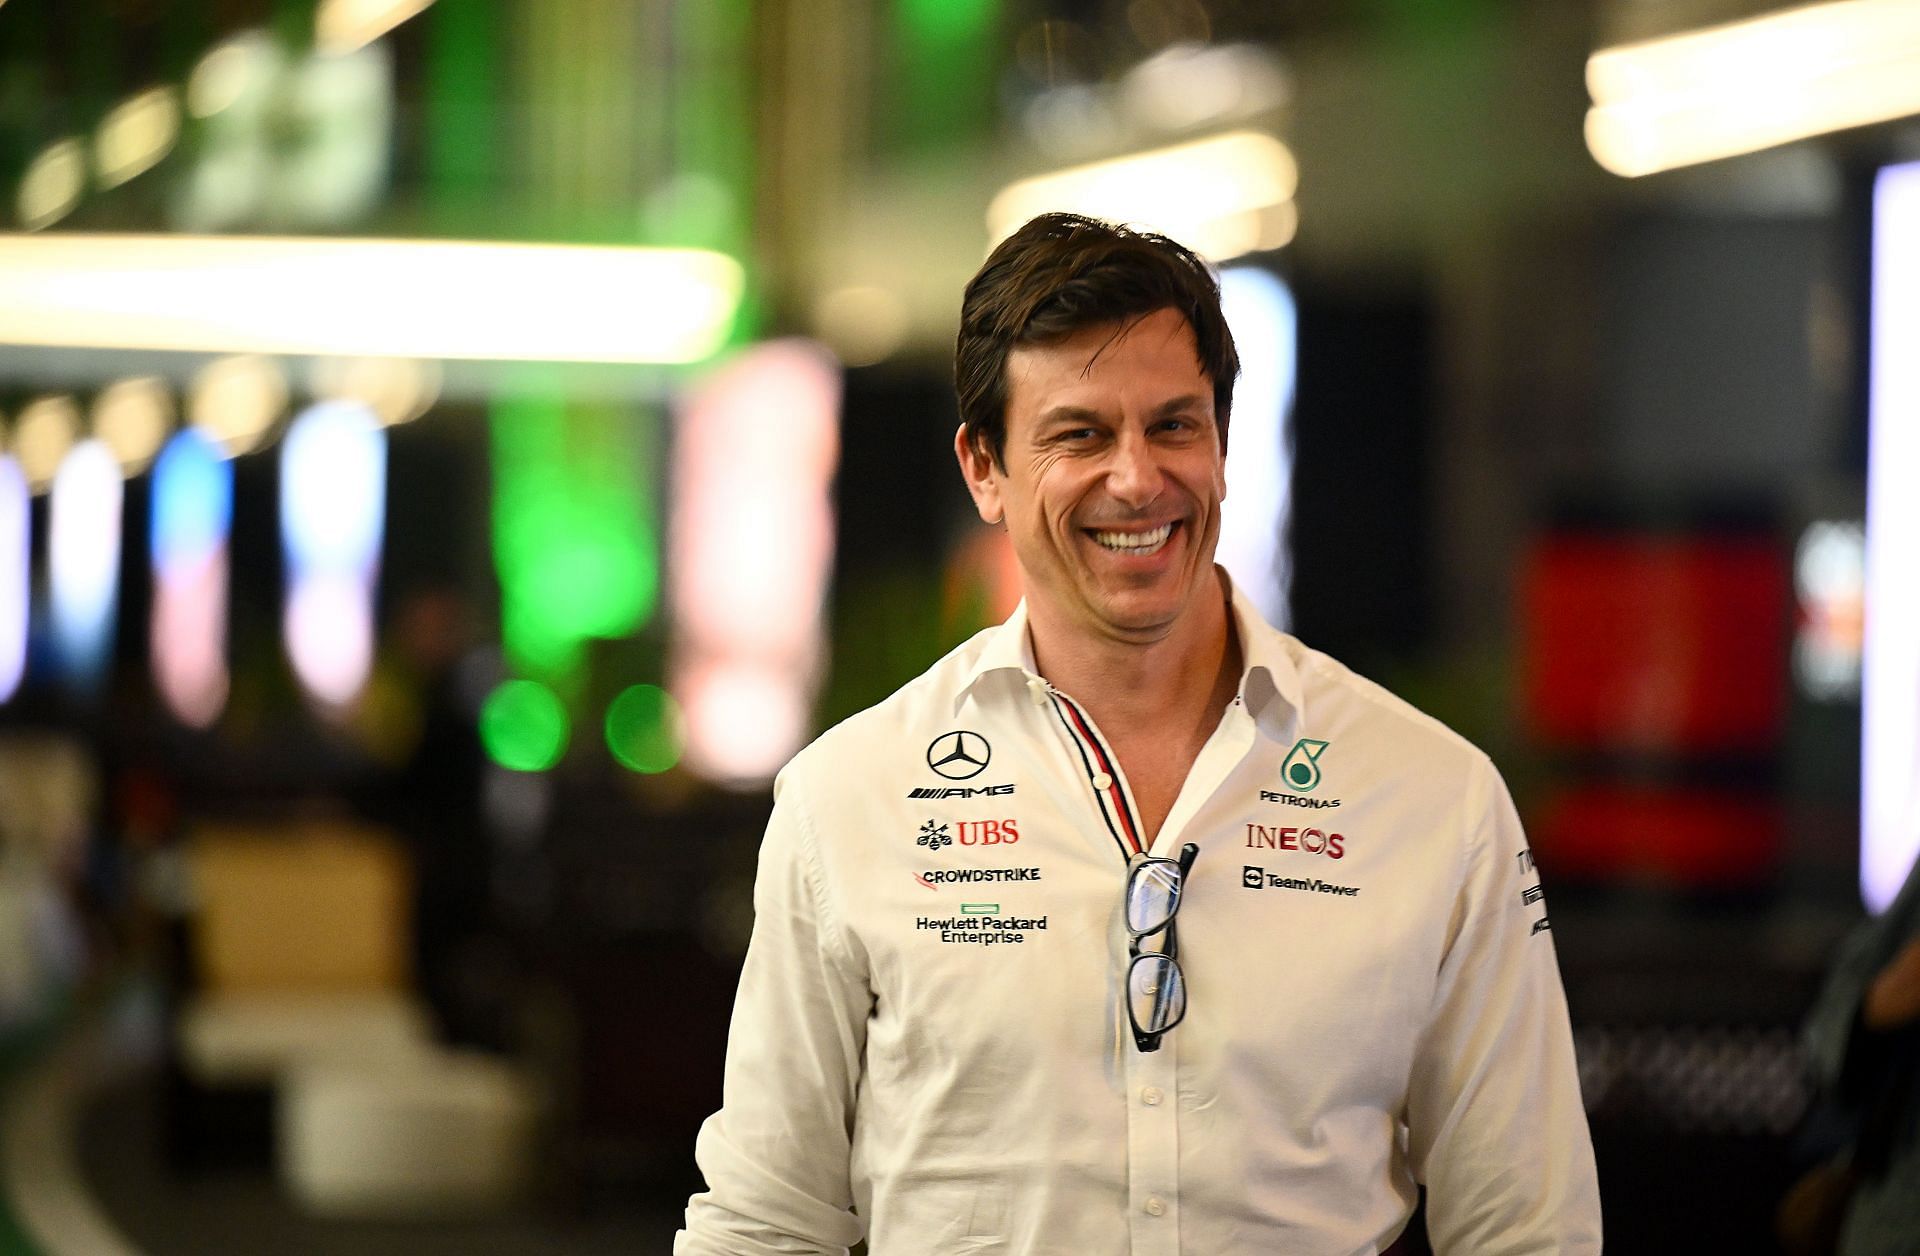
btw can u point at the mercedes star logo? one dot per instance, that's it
(959, 754)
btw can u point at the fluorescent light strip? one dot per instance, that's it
(1222, 196)
(366, 298)
(344, 25)
(1890, 682)
(1751, 85)
(1253, 518)
(15, 572)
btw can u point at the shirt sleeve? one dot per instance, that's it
(776, 1155)
(1496, 1129)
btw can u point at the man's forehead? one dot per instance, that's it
(1162, 343)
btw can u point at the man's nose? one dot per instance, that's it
(1133, 475)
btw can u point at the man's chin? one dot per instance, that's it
(1144, 618)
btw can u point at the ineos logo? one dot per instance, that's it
(959, 754)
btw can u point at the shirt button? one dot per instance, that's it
(1037, 690)
(1156, 1207)
(1151, 1096)
(1102, 781)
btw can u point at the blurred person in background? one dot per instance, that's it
(1862, 1041)
(1134, 924)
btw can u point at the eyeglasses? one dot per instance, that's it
(1156, 991)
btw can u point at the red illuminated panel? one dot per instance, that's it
(1687, 837)
(1655, 644)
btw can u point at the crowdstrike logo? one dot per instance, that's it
(934, 878)
(959, 755)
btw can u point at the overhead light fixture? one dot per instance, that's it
(133, 417)
(1746, 86)
(440, 299)
(52, 185)
(237, 400)
(43, 435)
(345, 25)
(136, 135)
(1221, 196)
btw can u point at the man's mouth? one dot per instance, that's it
(1147, 542)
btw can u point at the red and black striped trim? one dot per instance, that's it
(1114, 807)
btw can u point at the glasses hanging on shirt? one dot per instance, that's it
(1156, 990)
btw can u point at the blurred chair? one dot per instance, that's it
(300, 941)
(446, 1131)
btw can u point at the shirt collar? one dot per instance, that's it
(1269, 681)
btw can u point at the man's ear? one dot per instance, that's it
(982, 476)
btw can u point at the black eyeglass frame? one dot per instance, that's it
(1149, 1039)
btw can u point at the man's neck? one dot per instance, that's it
(1131, 687)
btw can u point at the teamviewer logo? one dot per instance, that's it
(1251, 877)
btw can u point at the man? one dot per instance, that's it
(943, 1038)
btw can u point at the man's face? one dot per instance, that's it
(1113, 479)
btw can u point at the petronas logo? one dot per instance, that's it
(1301, 770)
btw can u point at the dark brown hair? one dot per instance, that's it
(1060, 274)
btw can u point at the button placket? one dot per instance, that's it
(1153, 1152)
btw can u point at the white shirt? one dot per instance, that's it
(931, 1033)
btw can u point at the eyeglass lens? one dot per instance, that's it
(1156, 993)
(1153, 895)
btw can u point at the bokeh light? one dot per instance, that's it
(43, 435)
(133, 417)
(333, 486)
(645, 729)
(83, 560)
(237, 400)
(524, 726)
(192, 517)
(752, 548)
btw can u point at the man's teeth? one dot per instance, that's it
(1136, 542)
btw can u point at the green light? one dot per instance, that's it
(573, 532)
(523, 726)
(940, 88)
(644, 729)
(950, 22)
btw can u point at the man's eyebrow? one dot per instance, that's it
(1190, 401)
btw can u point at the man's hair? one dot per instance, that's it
(1061, 274)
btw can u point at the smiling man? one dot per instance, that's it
(1134, 925)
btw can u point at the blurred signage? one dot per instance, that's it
(286, 141)
(1652, 644)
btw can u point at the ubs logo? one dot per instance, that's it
(959, 755)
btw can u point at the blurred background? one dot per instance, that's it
(455, 453)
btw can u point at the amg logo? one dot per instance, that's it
(963, 791)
